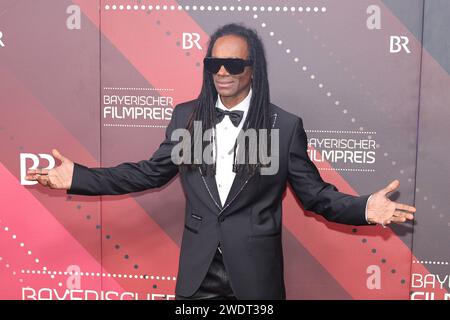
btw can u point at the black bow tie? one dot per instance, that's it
(235, 116)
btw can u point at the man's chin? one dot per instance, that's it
(226, 92)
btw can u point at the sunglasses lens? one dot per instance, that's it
(212, 65)
(233, 66)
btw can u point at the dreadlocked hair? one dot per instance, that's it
(258, 116)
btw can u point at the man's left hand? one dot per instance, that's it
(383, 211)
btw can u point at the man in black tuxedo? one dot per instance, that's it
(231, 246)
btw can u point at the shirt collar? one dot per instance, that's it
(241, 106)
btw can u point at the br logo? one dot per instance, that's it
(191, 39)
(397, 43)
(36, 161)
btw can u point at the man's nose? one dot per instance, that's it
(222, 71)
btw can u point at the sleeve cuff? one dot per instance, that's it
(80, 172)
(368, 199)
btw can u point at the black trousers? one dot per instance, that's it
(216, 285)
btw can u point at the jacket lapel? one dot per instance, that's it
(211, 188)
(239, 182)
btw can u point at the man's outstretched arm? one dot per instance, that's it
(324, 198)
(124, 178)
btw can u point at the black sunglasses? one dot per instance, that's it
(233, 65)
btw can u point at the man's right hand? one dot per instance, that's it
(59, 177)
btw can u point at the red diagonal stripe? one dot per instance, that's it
(161, 255)
(143, 41)
(343, 253)
(26, 221)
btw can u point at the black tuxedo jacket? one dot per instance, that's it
(248, 226)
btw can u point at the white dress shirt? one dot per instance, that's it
(226, 135)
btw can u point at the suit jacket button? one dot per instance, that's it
(221, 218)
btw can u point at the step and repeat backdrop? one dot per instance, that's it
(98, 80)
